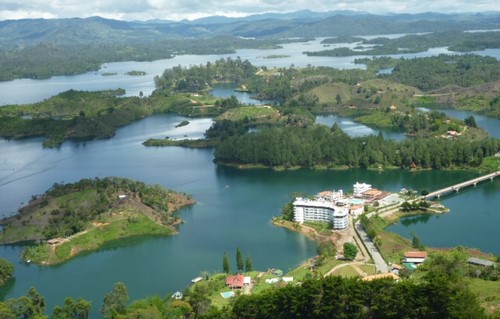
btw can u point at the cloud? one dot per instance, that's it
(189, 9)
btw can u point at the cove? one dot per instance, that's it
(234, 208)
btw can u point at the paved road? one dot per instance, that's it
(376, 256)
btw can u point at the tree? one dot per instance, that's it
(350, 251)
(30, 306)
(225, 264)
(248, 264)
(72, 309)
(239, 259)
(415, 242)
(338, 99)
(6, 270)
(326, 249)
(470, 121)
(115, 302)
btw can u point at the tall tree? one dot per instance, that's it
(115, 302)
(416, 242)
(239, 259)
(6, 270)
(225, 264)
(248, 264)
(72, 309)
(350, 251)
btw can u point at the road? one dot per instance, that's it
(372, 249)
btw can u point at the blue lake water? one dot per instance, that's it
(233, 207)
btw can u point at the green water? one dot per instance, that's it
(233, 210)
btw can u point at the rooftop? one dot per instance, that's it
(237, 281)
(482, 262)
(416, 254)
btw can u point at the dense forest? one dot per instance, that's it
(320, 145)
(48, 59)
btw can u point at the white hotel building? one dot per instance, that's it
(320, 210)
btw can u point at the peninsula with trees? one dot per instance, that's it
(72, 218)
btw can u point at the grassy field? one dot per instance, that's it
(259, 114)
(112, 227)
(488, 293)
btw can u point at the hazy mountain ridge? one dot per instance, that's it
(29, 32)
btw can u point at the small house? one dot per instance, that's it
(480, 262)
(415, 257)
(235, 282)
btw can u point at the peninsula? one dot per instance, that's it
(83, 216)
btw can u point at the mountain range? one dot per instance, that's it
(18, 34)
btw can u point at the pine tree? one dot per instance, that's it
(239, 259)
(225, 264)
(248, 264)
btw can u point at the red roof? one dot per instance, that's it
(416, 254)
(235, 281)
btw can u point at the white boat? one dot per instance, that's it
(195, 280)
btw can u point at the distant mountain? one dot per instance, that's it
(15, 34)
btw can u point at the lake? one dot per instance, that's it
(491, 125)
(23, 91)
(233, 209)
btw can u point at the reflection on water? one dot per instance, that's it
(411, 220)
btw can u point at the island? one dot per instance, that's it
(72, 218)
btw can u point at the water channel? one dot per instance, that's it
(233, 207)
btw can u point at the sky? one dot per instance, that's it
(193, 9)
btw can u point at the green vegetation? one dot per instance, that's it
(334, 297)
(136, 73)
(319, 145)
(85, 215)
(456, 41)
(239, 260)
(298, 94)
(225, 264)
(183, 123)
(276, 56)
(47, 59)
(78, 309)
(342, 39)
(350, 251)
(115, 302)
(6, 270)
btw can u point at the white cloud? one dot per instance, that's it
(190, 9)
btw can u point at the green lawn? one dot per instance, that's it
(488, 293)
(347, 271)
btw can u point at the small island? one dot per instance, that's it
(72, 218)
(136, 73)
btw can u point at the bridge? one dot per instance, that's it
(457, 187)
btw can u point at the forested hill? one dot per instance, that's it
(320, 146)
(95, 30)
(41, 48)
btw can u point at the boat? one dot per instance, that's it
(195, 280)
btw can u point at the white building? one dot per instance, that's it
(360, 188)
(320, 210)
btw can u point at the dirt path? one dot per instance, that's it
(354, 265)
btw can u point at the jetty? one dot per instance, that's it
(457, 187)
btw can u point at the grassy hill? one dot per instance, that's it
(85, 215)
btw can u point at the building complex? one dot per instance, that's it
(334, 207)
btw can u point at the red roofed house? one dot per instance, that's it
(235, 282)
(416, 257)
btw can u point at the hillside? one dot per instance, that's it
(85, 215)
